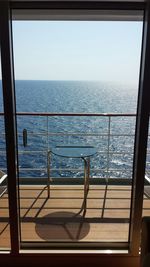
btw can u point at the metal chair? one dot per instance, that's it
(147, 187)
(3, 186)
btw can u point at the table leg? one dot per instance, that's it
(88, 172)
(86, 181)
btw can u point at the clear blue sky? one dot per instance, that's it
(77, 50)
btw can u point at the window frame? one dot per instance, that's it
(10, 112)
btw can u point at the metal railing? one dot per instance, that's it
(47, 129)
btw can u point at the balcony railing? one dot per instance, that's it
(112, 134)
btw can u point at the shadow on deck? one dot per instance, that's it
(60, 219)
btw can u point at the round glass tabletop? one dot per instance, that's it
(74, 151)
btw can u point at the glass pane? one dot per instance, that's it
(4, 212)
(89, 69)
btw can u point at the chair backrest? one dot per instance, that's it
(3, 186)
(2, 176)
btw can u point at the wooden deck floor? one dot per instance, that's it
(59, 218)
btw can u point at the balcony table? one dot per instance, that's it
(72, 151)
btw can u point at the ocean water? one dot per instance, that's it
(74, 97)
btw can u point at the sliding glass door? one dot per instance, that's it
(76, 84)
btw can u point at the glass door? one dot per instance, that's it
(76, 84)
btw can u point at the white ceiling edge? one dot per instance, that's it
(95, 15)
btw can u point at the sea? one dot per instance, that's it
(113, 136)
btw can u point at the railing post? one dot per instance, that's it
(107, 179)
(47, 133)
(48, 160)
(108, 147)
(48, 174)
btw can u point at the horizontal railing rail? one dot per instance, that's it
(73, 114)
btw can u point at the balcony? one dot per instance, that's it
(59, 219)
